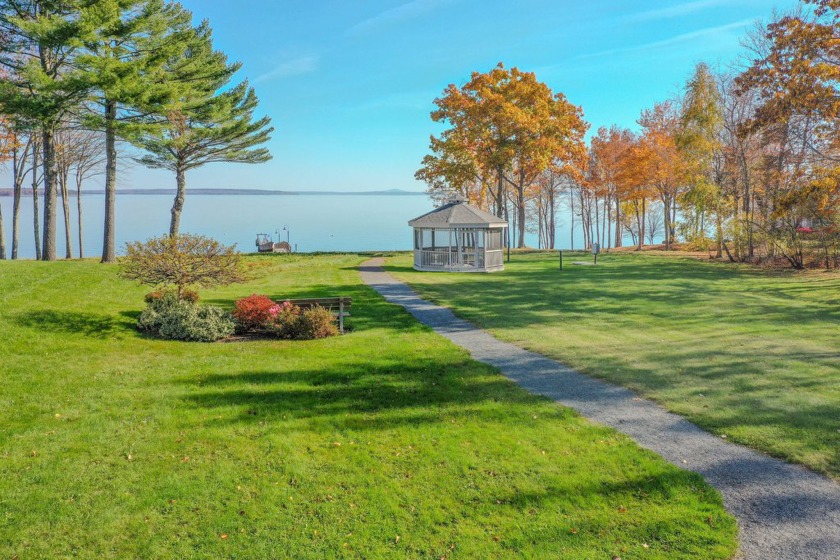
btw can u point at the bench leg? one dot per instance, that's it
(341, 317)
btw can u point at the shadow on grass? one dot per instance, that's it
(362, 396)
(532, 292)
(96, 325)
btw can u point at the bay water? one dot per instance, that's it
(316, 222)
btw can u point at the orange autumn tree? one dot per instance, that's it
(505, 129)
(635, 168)
(798, 117)
(608, 149)
(662, 164)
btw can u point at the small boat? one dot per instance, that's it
(266, 245)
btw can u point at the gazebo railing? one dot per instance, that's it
(449, 259)
(439, 259)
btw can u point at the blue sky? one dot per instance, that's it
(350, 84)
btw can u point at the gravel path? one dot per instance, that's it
(784, 511)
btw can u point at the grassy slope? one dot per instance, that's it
(743, 352)
(387, 442)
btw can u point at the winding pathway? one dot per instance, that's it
(784, 511)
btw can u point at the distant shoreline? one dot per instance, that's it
(231, 192)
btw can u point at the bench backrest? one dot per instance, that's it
(328, 303)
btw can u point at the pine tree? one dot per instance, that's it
(206, 123)
(125, 62)
(38, 41)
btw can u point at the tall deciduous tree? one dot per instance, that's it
(205, 123)
(699, 140)
(608, 148)
(506, 128)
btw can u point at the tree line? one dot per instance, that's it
(743, 163)
(77, 77)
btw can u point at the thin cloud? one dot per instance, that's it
(677, 10)
(683, 38)
(398, 14)
(293, 67)
(411, 100)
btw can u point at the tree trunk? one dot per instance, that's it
(597, 222)
(719, 230)
(2, 236)
(572, 204)
(552, 208)
(79, 213)
(520, 211)
(36, 211)
(50, 197)
(65, 204)
(666, 202)
(500, 193)
(17, 183)
(109, 253)
(618, 232)
(673, 232)
(178, 206)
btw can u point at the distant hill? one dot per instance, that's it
(236, 192)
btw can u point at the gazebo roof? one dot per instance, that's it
(457, 214)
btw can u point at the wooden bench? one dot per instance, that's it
(340, 306)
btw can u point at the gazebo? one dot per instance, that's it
(458, 237)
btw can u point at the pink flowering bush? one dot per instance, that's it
(286, 321)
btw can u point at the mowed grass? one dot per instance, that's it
(388, 442)
(743, 352)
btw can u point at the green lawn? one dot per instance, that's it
(388, 442)
(745, 353)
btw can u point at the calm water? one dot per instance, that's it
(316, 222)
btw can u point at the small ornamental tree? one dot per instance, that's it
(182, 261)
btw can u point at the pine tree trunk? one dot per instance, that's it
(109, 253)
(36, 211)
(178, 205)
(50, 197)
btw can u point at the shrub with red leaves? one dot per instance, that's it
(254, 313)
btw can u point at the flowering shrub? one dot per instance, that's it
(255, 313)
(285, 321)
(258, 313)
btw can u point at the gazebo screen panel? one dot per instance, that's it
(494, 240)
